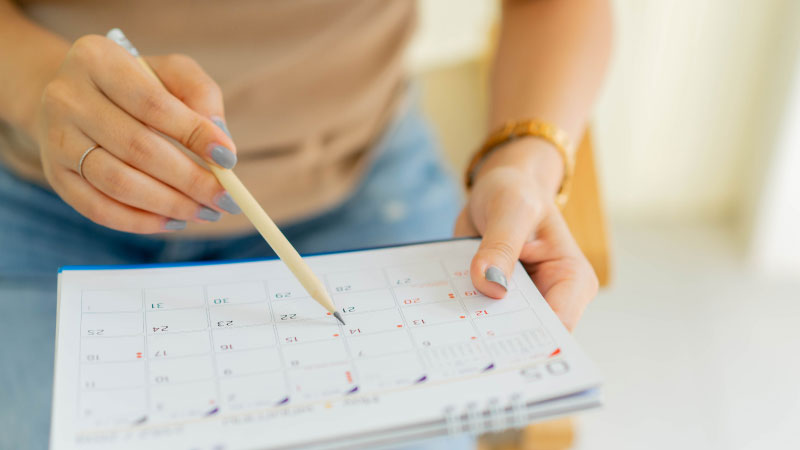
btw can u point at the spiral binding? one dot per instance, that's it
(494, 416)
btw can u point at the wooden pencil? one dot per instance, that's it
(253, 211)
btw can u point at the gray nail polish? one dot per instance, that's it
(225, 201)
(175, 224)
(495, 275)
(219, 122)
(223, 157)
(206, 213)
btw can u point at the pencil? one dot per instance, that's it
(253, 211)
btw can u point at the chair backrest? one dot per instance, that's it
(584, 211)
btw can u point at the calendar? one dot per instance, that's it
(237, 355)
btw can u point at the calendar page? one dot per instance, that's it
(237, 355)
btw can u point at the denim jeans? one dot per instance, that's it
(407, 195)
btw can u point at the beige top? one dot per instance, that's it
(308, 85)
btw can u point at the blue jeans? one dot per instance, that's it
(407, 195)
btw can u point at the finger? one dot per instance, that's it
(509, 223)
(142, 148)
(129, 186)
(123, 80)
(187, 81)
(464, 226)
(559, 269)
(105, 211)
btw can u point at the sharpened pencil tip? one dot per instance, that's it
(339, 316)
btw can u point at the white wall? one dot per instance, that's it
(678, 119)
(773, 218)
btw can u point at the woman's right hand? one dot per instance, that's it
(136, 180)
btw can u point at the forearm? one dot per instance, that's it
(550, 62)
(31, 55)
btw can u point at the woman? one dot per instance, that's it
(325, 135)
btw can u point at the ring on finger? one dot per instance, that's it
(83, 158)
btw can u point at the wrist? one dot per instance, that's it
(533, 156)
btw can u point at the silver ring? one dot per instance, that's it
(83, 157)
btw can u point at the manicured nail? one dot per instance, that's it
(174, 224)
(225, 201)
(206, 213)
(223, 157)
(495, 275)
(221, 123)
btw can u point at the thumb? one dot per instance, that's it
(508, 227)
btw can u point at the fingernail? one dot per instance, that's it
(174, 224)
(223, 157)
(221, 123)
(225, 201)
(206, 213)
(495, 275)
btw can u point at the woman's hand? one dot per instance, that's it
(511, 205)
(136, 180)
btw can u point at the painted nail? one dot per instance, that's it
(174, 224)
(495, 275)
(206, 213)
(221, 124)
(225, 201)
(223, 157)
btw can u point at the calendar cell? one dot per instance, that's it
(480, 306)
(157, 299)
(232, 293)
(286, 288)
(122, 407)
(465, 288)
(111, 324)
(429, 293)
(525, 346)
(179, 401)
(253, 391)
(112, 349)
(365, 280)
(296, 309)
(380, 344)
(506, 324)
(358, 302)
(176, 321)
(315, 353)
(243, 315)
(178, 344)
(232, 339)
(450, 333)
(434, 313)
(372, 322)
(321, 382)
(248, 362)
(416, 274)
(465, 358)
(401, 369)
(181, 370)
(307, 331)
(112, 300)
(457, 267)
(118, 375)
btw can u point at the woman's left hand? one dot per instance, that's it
(511, 205)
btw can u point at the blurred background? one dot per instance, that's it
(697, 141)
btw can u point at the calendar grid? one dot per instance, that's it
(267, 337)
